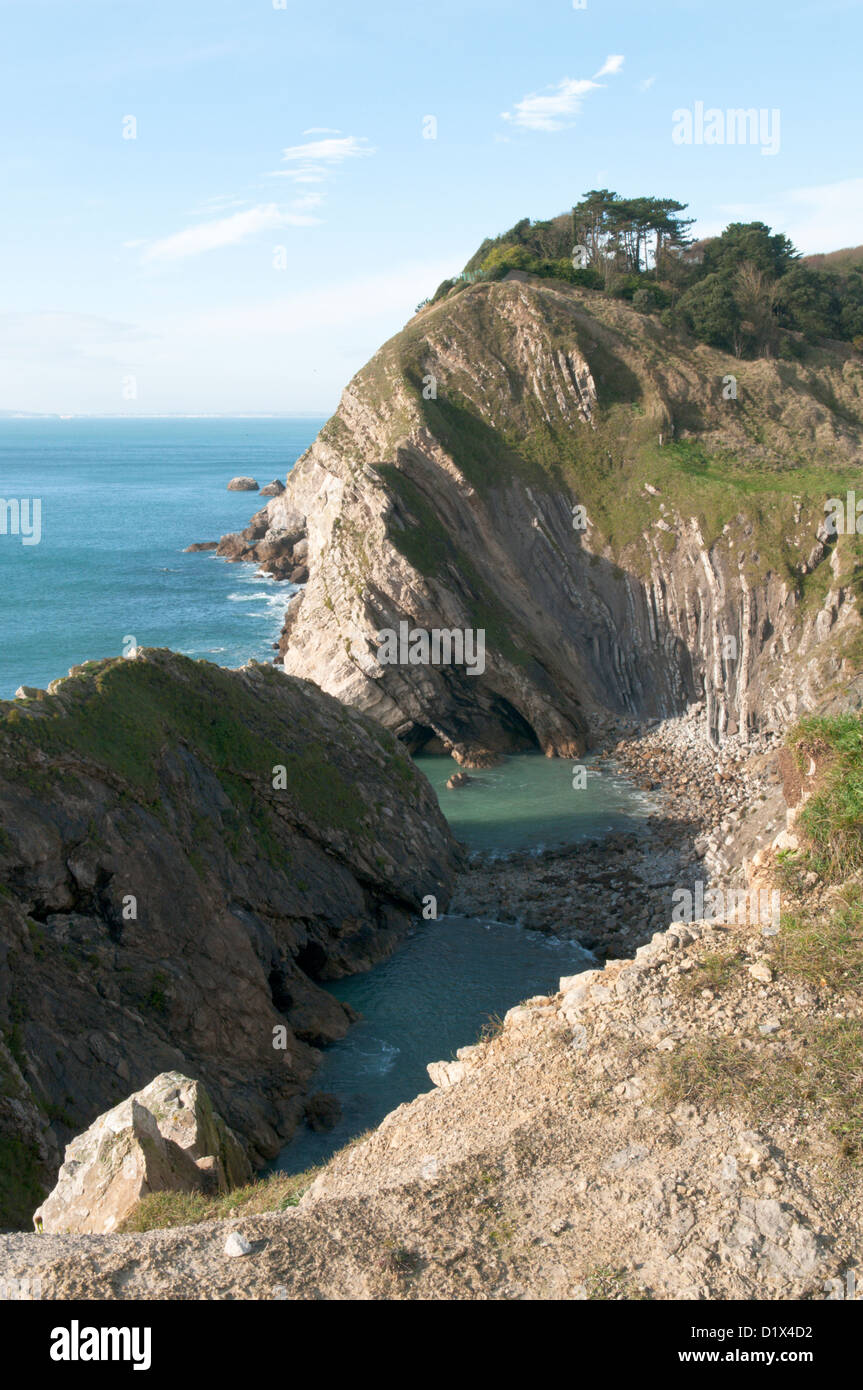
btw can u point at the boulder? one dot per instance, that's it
(273, 489)
(242, 485)
(232, 545)
(200, 545)
(323, 1111)
(165, 1138)
(458, 779)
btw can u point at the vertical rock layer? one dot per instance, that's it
(445, 492)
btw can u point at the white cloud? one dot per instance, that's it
(226, 231)
(218, 204)
(58, 336)
(646, 84)
(306, 201)
(314, 161)
(557, 106)
(820, 217)
(392, 293)
(329, 151)
(312, 173)
(294, 352)
(612, 64)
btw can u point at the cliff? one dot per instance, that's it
(444, 491)
(686, 1124)
(186, 853)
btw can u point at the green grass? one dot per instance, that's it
(816, 1071)
(832, 819)
(124, 715)
(824, 948)
(609, 1283)
(505, 434)
(715, 972)
(159, 1210)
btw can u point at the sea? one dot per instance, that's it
(119, 502)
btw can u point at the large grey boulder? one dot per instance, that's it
(165, 1138)
(243, 485)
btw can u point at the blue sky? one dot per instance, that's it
(144, 275)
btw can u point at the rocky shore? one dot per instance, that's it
(713, 807)
(669, 1125)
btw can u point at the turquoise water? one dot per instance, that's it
(120, 501)
(437, 992)
(433, 996)
(528, 802)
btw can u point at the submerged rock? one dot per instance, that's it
(323, 1111)
(458, 779)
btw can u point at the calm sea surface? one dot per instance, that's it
(121, 499)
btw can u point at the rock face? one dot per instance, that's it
(242, 485)
(185, 854)
(166, 1138)
(544, 464)
(275, 537)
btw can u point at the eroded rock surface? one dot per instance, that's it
(165, 1138)
(186, 853)
(547, 465)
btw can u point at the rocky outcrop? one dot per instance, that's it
(273, 489)
(242, 485)
(186, 855)
(275, 538)
(544, 464)
(165, 1138)
(547, 1162)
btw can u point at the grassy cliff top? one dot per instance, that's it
(122, 716)
(754, 446)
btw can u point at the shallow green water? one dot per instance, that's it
(440, 988)
(529, 802)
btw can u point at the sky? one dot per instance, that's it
(226, 206)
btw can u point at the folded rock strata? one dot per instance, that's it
(446, 490)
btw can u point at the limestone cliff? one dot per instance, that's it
(185, 853)
(443, 492)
